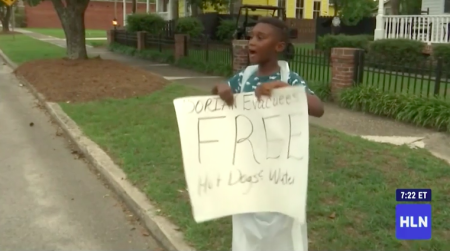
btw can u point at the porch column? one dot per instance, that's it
(379, 29)
(124, 13)
(170, 9)
(148, 6)
(157, 6)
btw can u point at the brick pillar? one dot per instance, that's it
(180, 46)
(141, 40)
(110, 35)
(342, 69)
(240, 55)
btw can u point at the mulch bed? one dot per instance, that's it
(62, 80)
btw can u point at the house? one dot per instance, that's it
(436, 7)
(300, 9)
(387, 8)
(431, 27)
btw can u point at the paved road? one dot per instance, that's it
(50, 200)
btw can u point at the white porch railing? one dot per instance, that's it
(426, 28)
(164, 15)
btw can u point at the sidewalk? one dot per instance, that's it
(337, 118)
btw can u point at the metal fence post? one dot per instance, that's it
(358, 72)
(438, 76)
(206, 48)
(160, 42)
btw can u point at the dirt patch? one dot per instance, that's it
(62, 80)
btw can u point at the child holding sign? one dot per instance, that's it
(269, 38)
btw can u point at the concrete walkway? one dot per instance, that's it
(351, 122)
(49, 197)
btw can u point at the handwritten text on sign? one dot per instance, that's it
(250, 157)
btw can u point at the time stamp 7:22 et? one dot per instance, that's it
(413, 195)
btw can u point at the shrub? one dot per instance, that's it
(151, 23)
(226, 29)
(190, 26)
(424, 111)
(327, 42)
(397, 54)
(442, 51)
(321, 89)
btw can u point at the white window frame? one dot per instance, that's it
(300, 9)
(317, 11)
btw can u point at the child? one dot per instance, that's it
(267, 231)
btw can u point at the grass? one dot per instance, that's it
(352, 182)
(59, 33)
(22, 48)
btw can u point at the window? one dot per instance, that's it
(447, 6)
(299, 9)
(165, 5)
(316, 9)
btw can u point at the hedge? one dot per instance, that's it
(190, 26)
(151, 23)
(423, 111)
(327, 42)
(397, 54)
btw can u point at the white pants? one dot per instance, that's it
(268, 231)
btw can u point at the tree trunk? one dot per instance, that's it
(5, 17)
(133, 6)
(395, 7)
(72, 19)
(194, 9)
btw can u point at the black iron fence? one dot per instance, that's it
(207, 50)
(311, 65)
(428, 78)
(159, 42)
(125, 38)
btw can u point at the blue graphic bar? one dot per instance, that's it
(413, 221)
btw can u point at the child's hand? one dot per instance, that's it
(225, 93)
(266, 88)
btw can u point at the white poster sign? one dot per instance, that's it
(249, 157)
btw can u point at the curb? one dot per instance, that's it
(165, 232)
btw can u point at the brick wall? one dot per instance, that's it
(99, 14)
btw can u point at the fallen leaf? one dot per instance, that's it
(332, 215)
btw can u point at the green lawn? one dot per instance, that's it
(59, 33)
(21, 48)
(352, 182)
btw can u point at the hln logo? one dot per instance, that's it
(410, 221)
(413, 221)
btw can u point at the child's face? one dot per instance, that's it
(264, 44)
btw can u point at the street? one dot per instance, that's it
(49, 198)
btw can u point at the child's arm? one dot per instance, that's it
(225, 91)
(315, 105)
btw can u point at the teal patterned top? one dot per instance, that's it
(254, 81)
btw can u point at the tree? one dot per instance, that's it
(5, 16)
(352, 11)
(133, 6)
(198, 5)
(71, 14)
